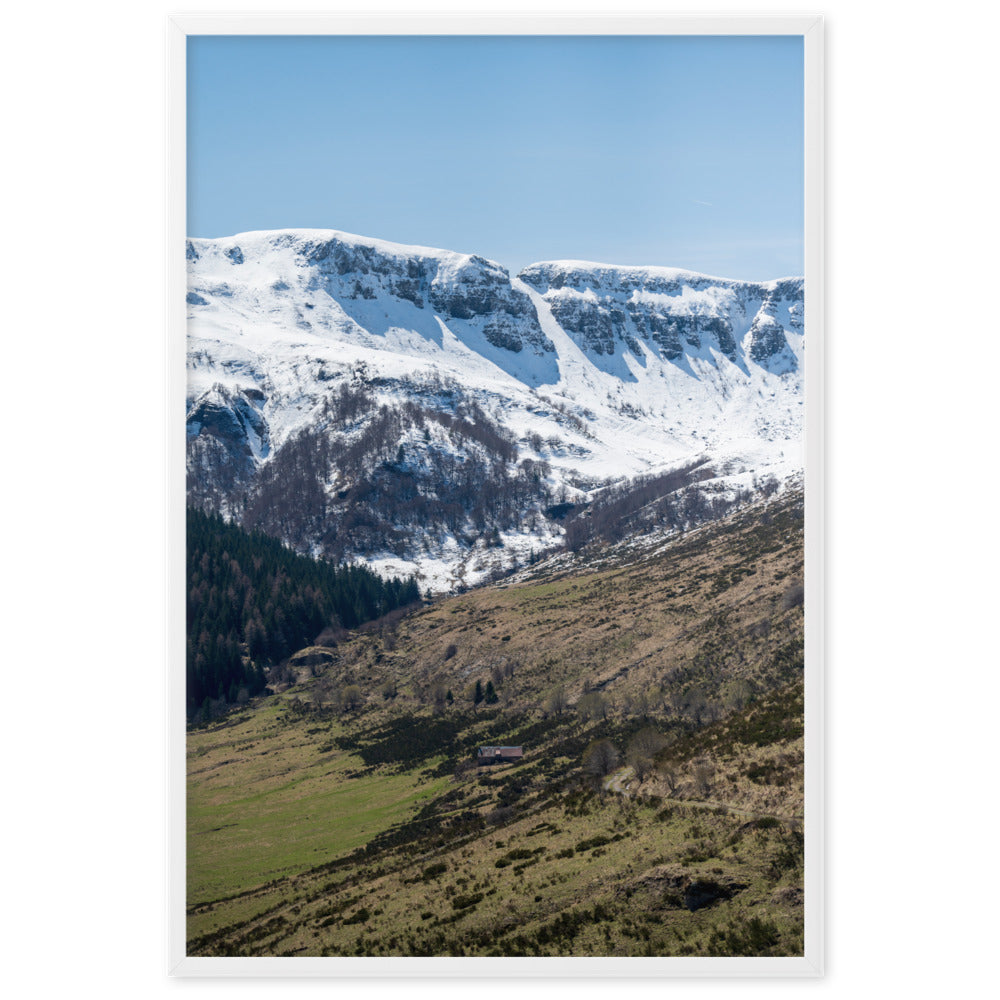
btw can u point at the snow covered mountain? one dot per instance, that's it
(427, 412)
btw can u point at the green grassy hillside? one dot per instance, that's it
(345, 816)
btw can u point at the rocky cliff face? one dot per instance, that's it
(228, 440)
(671, 313)
(456, 287)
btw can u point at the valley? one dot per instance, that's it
(495, 605)
(656, 688)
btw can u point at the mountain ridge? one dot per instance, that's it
(592, 374)
(289, 234)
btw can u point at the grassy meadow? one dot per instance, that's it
(343, 814)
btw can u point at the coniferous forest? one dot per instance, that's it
(251, 603)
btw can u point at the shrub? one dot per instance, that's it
(598, 841)
(518, 854)
(793, 597)
(755, 937)
(351, 697)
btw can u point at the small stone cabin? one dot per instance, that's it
(499, 755)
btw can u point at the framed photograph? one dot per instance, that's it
(496, 496)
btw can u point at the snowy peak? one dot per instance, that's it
(671, 313)
(427, 412)
(333, 282)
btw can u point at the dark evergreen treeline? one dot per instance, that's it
(251, 602)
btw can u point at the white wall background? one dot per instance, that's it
(912, 539)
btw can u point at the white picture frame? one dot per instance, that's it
(179, 964)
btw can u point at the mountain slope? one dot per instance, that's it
(423, 410)
(325, 825)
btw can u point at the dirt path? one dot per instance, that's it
(614, 782)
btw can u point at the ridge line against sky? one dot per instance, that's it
(646, 150)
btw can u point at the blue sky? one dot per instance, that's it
(679, 151)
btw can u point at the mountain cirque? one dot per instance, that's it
(355, 371)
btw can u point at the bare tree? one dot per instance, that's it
(695, 704)
(281, 674)
(600, 758)
(640, 704)
(592, 706)
(703, 773)
(740, 692)
(333, 696)
(319, 694)
(668, 774)
(389, 637)
(557, 702)
(438, 695)
(642, 750)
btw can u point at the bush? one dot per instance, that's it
(767, 823)
(592, 842)
(518, 854)
(755, 937)
(793, 597)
